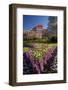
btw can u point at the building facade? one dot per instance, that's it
(36, 32)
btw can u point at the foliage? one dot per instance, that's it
(25, 49)
(52, 39)
(42, 59)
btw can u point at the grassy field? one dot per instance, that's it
(39, 49)
(40, 46)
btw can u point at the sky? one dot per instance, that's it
(30, 21)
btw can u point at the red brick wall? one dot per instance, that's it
(39, 27)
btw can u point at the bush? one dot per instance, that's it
(53, 39)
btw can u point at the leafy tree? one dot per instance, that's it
(52, 25)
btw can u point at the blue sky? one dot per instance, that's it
(29, 21)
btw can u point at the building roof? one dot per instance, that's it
(38, 27)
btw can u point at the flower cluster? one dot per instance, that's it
(40, 60)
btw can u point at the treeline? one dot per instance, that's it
(51, 39)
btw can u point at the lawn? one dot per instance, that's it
(38, 50)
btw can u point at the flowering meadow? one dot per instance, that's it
(40, 59)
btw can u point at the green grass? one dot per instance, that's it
(39, 51)
(25, 49)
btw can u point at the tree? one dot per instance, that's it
(52, 25)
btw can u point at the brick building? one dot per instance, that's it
(36, 32)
